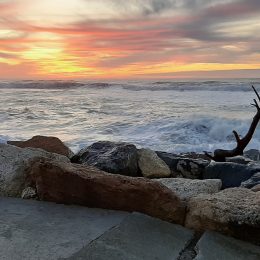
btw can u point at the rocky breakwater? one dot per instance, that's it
(120, 176)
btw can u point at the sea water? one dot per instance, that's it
(174, 116)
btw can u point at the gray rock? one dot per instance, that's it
(234, 211)
(29, 193)
(118, 158)
(239, 159)
(192, 169)
(151, 165)
(215, 246)
(139, 237)
(14, 162)
(184, 167)
(187, 188)
(231, 174)
(253, 154)
(253, 181)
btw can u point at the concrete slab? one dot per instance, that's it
(138, 237)
(32, 230)
(215, 246)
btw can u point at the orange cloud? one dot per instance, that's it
(153, 41)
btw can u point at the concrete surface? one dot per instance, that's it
(214, 246)
(32, 230)
(138, 237)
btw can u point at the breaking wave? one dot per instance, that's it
(211, 85)
(170, 119)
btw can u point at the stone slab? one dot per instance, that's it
(34, 230)
(215, 246)
(138, 237)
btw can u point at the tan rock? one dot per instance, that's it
(85, 185)
(151, 165)
(256, 188)
(189, 188)
(234, 211)
(14, 163)
(47, 143)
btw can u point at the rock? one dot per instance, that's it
(252, 154)
(151, 165)
(256, 188)
(29, 193)
(231, 174)
(14, 162)
(47, 143)
(118, 158)
(239, 159)
(184, 167)
(187, 188)
(85, 185)
(234, 211)
(192, 169)
(253, 181)
(139, 237)
(215, 246)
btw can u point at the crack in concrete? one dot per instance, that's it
(80, 253)
(189, 252)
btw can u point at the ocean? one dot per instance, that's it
(174, 116)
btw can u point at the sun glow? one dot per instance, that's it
(121, 39)
(53, 60)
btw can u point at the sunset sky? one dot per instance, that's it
(135, 39)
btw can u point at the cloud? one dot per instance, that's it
(153, 32)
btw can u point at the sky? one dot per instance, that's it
(129, 39)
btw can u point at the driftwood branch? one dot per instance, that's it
(221, 155)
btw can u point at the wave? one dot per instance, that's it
(196, 134)
(194, 86)
(209, 85)
(42, 84)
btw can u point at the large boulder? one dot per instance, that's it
(118, 158)
(253, 181)
(231, 174)
(184, 167)
(47, 143)
(86, 185)
(187, 188)
(151, 165)
(14, 163)
(234, 211)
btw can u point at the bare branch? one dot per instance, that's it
(221, 155)
(236, 136)
(256, 105)
(258, 96)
